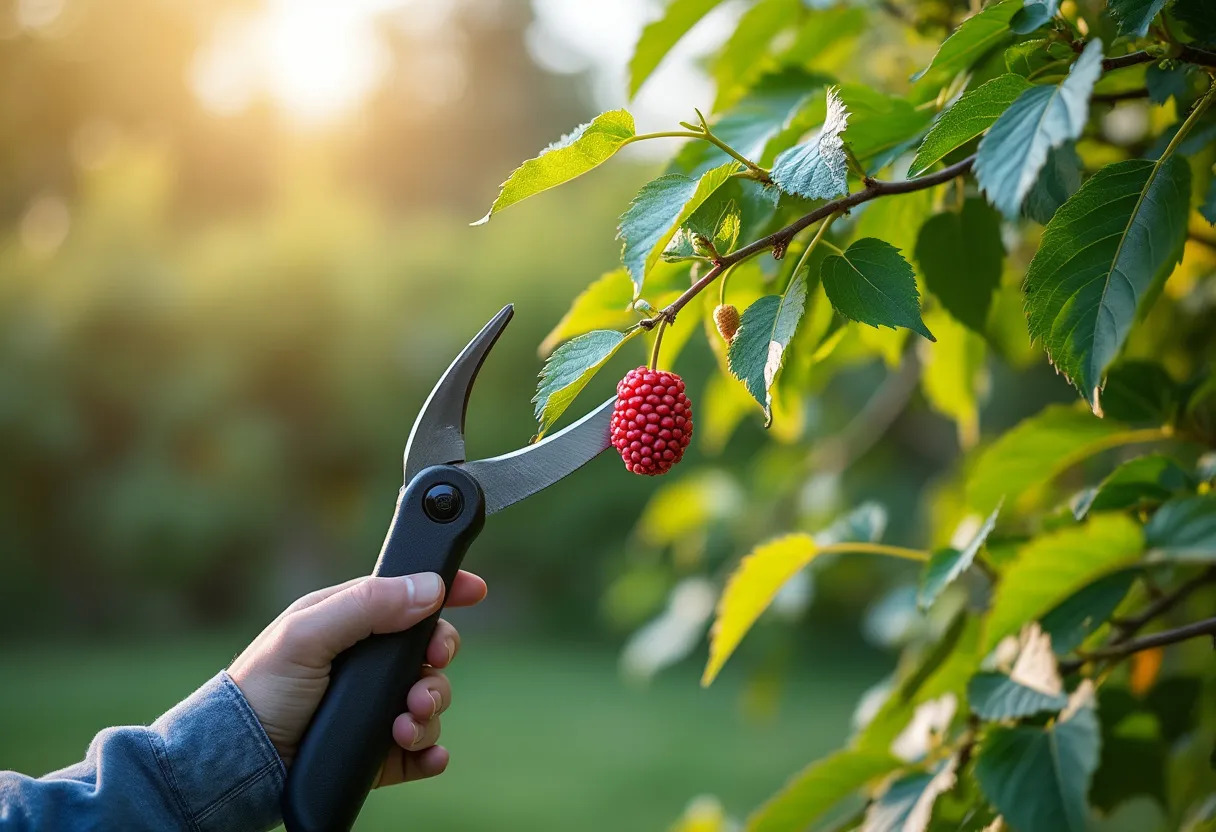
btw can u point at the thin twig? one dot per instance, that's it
(1207, 627)
(1122, 61)
(1128, 627)
(780, 239)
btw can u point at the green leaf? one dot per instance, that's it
(1164, 83)
(1015, 149)
(1106, 248)
(1087, 609)
(1037, 777)
(960, 255)
(1198, 17)
(1040, 61)
(1184, 529)
(658, 210)
(584, 148)
(817, 169)
(765, 330)
(976, 37)
(1134, 16)
(661, 35)
(1033, 15)
(743, 56)
(954, 374)
(881, 126)
(716, 223)
(873, 284)
(605, 304)
(1146, 479)
(972, 114)
(819, 787)
(945, 566)
(569, 369)
(826, 34)
(1053, 566)
(1140, 392)
(1058, 180)
(995, 696)
(1035, 452)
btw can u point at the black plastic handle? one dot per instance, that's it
(438, 515)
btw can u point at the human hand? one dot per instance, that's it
(285, 671)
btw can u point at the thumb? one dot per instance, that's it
(317, 634)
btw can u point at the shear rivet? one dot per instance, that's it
(443, 503)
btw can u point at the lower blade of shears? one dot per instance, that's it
(509, 478)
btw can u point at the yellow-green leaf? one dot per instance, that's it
(661, 35)
(1053, 566)
(819, 787)
(584, 148)
(749, 592)
(953, 374)
(1035, 451)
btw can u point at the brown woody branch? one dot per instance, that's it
(780, 240)
(1186, 54)
(1123, 644)
(1128, 627)
(1207, 627)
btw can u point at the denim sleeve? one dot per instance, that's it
(205, 766)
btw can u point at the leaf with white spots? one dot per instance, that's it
(817, 169)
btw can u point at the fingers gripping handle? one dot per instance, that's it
(438, 515)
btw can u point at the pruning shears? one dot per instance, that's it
(441, 509)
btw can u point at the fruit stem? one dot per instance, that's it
(658, 342)
(810, 247)
(722, 286)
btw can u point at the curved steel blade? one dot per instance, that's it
(437, 437)
(511, 477)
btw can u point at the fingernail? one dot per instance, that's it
(427, 587)
(418, 731)
(437, 699)
(451, 648)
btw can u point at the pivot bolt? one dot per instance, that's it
(443, 503)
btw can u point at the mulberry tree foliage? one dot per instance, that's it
(947, 192)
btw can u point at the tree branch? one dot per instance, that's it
(1128, 627)
(1123, 644)
(779, 240)
(1207, 627)
(1122, 61)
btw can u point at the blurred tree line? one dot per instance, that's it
(215, 329)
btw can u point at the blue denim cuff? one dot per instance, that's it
(220, 764)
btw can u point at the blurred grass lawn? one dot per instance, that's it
(543, 736)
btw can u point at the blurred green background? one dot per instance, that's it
(222, 301)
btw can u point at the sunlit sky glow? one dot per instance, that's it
(317, 60)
